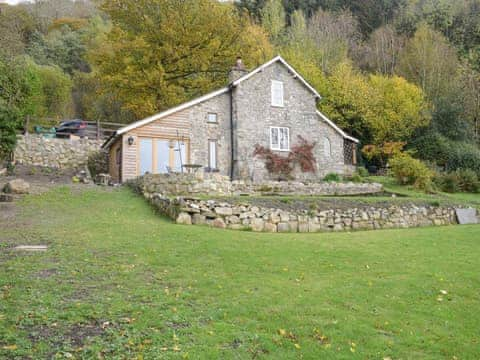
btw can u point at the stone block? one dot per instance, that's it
(467, 216)
(184, 218)
(257, 225)
(17, 186)
(224, 211)
(198, 219)
(283, 227)
(270, 227)
(219, 223)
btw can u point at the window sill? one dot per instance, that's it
(278, 106)
(209, 170)
(280, 150)
(212, 122)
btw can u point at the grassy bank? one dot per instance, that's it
(118, 281)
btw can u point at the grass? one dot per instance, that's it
(404, 195)
(118, 281)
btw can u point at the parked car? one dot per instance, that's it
(72, 127)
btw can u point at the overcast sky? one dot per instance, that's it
(11, 2)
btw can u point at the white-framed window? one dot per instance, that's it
(212, 118)
(212, 154)
(327, 147)
(277, 93)
(279, 138)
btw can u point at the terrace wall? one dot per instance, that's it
(53, 152)
(246, 216)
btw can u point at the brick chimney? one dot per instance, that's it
(237, 71)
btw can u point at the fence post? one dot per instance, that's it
(98, 129)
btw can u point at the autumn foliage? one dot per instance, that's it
(301, 154)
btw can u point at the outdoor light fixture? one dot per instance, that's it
(130, 140)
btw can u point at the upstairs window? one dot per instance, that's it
(277, 93)
(212, 118)
(280, 138)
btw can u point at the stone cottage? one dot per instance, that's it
(270, 106)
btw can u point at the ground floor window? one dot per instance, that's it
(159, 156)
(212, 154)
(279, 138)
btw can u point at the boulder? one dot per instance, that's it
(199, 219)
(257, 225)
(219, 223)
(184, 218)
(17, 186)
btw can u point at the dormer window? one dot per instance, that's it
(277, 93)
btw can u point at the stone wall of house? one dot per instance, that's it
(254, 115)
(219, 185)
(58, 153)
(245, 216)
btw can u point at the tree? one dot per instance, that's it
(64, 48)
(179, 50)
(377, 109)
(396, 109)
(346, 102)
(56, 91)
(382, 51)
(429, 61)
(9, 124)
(334, 35)
(16, 28)
(273, 19)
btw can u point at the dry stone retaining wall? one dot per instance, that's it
(216, 184)
(52, 152)
(250, 217)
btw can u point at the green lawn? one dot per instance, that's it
(119, 282)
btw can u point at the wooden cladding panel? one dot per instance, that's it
(169, 127)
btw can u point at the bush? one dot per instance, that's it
(410, 171)
(464, 156)
(460, 180)
(355, 177)
(433, 147)
(98, 163)
(332, 177)
(363, 172)
(447, 182)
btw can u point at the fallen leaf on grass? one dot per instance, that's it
(9, 347)
(297, 346)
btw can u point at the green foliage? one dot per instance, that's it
(378, 108)
(273, 19)
(468, 180)
(97, 163)
(362, 171)
(63, 47)
(332, 177)
(123, 248)
(181, 49)
(432, 146)
(464, 156)
(461, 180)
(410, 171)
(9, 124)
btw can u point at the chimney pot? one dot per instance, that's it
(239, 64)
